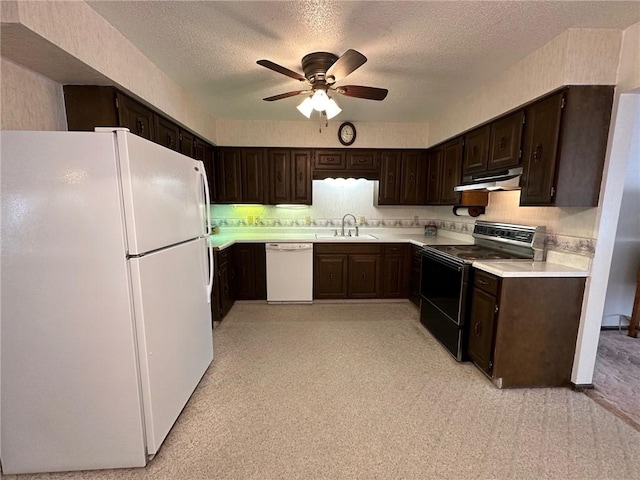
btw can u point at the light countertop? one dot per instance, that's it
(525, 268)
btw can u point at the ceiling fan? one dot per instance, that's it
(322, 70)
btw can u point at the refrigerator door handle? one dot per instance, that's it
(210, 284)
(207, 198)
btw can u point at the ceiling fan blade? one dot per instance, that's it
(280, 69)
(370, 93)
(347, 63)
(286, 95)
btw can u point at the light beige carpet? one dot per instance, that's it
(616, 378)
(346, 391)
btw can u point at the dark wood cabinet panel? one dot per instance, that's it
(564, 146)
(229, 180)
(187, 143)
(135, 116)
(249, 265)
(225, 282)
(301, 177)
(476, 150)
(389, 187)
(362, 160)
(167, 133)
(252, 175)
(330, 276)
(394, 271)
(506, 140)
(413, 177)
(90, 106)
(482, 334)
(542, 132)
(414, 275)
(329, 160)
(279, 175)
(434, 176)
(364, 276)
(451, 171)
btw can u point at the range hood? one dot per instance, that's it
(503, 180)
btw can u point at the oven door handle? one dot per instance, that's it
(444, 261)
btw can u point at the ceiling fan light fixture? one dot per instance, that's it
(320, 100)
(306, 107)
(332, 109)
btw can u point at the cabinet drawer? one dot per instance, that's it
(362, 160)
(357, 248)
(394, 249)
(329, 160)
(486, 282)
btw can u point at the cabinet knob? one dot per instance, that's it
(537, 153)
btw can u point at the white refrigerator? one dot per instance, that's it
(105, 327)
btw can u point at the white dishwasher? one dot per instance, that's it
(289, 272)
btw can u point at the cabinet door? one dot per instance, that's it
(413, 178)
(451, 167)
(330, 276)
(229, 181)
(389, 192)
(135, 116)
(224, 282)
(279, 176)
(301, 177)
(249, 264)
(166, 133)
(482, 329)
(394, 275)
(540, 149)
(362, 160)
(476, 151)
(364, 276)
(506, 138)
(414, 275)
(252, 175)
(187, 144)
(434, 176)
(329, 160)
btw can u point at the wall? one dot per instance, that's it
(41, 109)
(626, 251)
(306, 134)
(69, 42)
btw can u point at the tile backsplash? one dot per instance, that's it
(568, 230)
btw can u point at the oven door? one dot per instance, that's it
(443, 286)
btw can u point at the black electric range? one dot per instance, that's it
(445, 281)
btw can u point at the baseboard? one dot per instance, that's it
(613, 327)
(581, 387)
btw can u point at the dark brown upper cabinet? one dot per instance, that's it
(403, 177)
(451, 171)
(251, 170)
(187, 144)
(229, 180)
(564, 146)
(345, 163)
(135, 116)
(434, 176)
(506, 140)
(289, 176)
(476, 150)
(167, 133)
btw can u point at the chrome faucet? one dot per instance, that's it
(354, 220)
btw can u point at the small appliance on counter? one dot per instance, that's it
(430, 230)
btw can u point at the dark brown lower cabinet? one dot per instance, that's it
(224, 282)
(414, 275)
(360, 270)
(250, 274)
(364, 276)
(394, 270)
(523, 330)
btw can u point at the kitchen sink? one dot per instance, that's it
(331, 236)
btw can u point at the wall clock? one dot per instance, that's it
(347, 133)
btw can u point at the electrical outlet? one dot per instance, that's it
(416, 219)
(250, 219)
(307, 220)
(361, 221)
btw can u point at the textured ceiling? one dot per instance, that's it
(426, 53)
